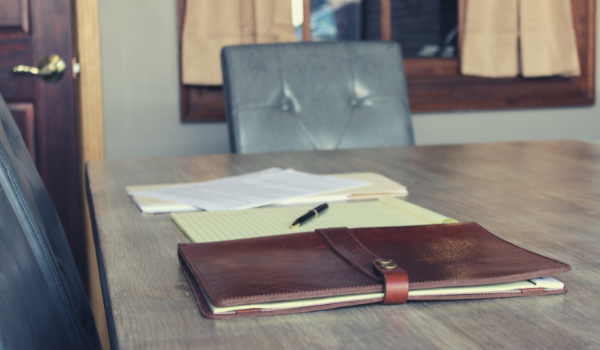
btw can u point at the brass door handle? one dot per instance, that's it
(51, 68)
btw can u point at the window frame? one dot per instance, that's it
(435, 84)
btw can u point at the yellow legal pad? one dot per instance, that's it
(212, 226)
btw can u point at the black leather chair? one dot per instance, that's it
(43, 304)
(321, 96)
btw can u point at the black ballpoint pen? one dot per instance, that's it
(313, 212)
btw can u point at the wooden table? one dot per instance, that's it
(543, 196)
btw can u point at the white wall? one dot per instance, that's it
(581, 123)
(141, 104)
(138, 42)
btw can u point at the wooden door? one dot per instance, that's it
(45, 111)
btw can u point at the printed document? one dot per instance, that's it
(251, 190)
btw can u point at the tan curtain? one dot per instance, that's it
(490, 47)
(548, 44)
(211, 24)
(506, 37)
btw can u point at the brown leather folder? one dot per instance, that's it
(388, 265)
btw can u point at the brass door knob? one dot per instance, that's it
(51, 68)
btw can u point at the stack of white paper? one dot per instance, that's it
(251, 190)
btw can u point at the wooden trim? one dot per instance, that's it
(25, 15)
(91, 135)
(462, 14)
(306, 11)
(591, 47)
(386, 20)
(91, 124)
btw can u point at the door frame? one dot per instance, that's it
(90, 132)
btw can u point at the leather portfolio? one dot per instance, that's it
(339, 267)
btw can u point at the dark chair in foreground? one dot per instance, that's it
(43, 304)
(315, 96)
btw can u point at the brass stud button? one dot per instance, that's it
(387, 264)
(389, 267)
(384, 261)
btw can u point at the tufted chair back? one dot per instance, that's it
(315, 96)
(43, 304)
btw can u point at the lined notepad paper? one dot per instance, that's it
(215, 226)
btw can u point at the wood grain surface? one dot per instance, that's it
(542, 196)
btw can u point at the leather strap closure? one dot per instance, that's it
(345, 244)
(396, 281)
